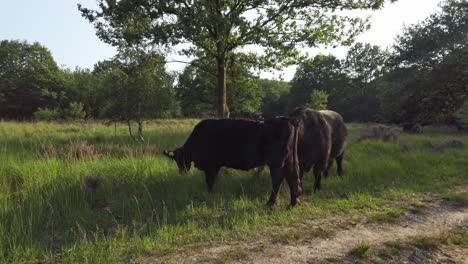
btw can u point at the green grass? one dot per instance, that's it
(459, 199)
(360, 250)
(143, 206)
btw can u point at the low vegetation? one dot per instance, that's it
(124, 199)
(360, 250)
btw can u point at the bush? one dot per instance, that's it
(318, 100)
(461, 117)
(74, 111)
(46, 114)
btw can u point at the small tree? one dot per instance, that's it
(318, 100)
(135, 88)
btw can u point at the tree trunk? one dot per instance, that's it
(130, 128)
(140, 131)
(222, 109)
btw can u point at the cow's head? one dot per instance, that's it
(181, 158)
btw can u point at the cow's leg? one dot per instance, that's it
(325, 172)
(276, 180)
(210, 178)
(295, 187)
(318, 170)
(339, 165)
(301, 178)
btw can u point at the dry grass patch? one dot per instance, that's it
(79, 150)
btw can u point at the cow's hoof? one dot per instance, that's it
(269, 205)
(294, 203)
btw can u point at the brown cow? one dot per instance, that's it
(314, 142)
(244, 145)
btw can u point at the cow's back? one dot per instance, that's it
(231, 143)
(338, 131)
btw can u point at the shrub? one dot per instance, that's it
(318, 100)
(461, 117)
(46, 114)
(74, 111)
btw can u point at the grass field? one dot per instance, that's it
(50, 212)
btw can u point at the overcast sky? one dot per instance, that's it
(58, 25)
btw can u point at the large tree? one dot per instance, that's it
(364, 64)
(426, 44)
(220, 27)
(29, 76)
(196, 89)
(435, 51)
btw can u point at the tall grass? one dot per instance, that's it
(142, 204)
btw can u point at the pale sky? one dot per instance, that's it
(58, 25)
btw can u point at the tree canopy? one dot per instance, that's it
(29, 76)
(221, 27)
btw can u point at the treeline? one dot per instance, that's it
(422, 79)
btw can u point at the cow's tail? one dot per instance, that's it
(296, 164)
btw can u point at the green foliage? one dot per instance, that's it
(426, 44)
(436, 52)
(461, 116)
(47, 114)
(276, 98)
(196, 90)
(218, 28)
(364, 65)
(360, 250)
(75, 111)
(318, 100)
(27, 72)
(321, 72)
(135, 87)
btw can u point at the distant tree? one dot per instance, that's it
(136, 87)
(364, 64)
(276, 97)
(29, 78)
(220, 28)
(324, 73)
(461, 116)
(435, 51)
(195, 92)
(82, 87)
(426, 44)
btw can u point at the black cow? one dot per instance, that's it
(314, 142)
(244, 145)
(338, 138)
